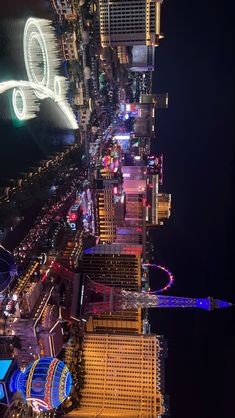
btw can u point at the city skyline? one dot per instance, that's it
(195, 134)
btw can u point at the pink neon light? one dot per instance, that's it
(44, 277)
(169, 274)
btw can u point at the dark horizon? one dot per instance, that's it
(195, 65)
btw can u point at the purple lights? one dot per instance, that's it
(169, 274)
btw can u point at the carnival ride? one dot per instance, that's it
(42, 61)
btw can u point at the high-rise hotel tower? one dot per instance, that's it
(117, 265)
(124, 377)
(128, 23)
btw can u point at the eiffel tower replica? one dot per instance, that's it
(115, 299)
(99, 298)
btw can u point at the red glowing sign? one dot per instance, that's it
(135, 250)
(44, 277)
(73, 216)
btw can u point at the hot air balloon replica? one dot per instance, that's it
(8, 268)
(44, 384)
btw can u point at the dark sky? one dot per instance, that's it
(195, 65)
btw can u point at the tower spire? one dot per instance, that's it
(115, 299)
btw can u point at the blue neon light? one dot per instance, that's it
(2, 393)
(4, 367)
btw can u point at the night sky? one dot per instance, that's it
(195, 65)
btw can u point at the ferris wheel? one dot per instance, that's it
(169, 275)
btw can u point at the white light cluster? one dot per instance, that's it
(25, 103)
(41, 54)
(42, 62)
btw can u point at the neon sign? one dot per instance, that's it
(38, 405)
(73, 216)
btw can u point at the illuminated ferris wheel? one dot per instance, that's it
(42, 62)
(169, 275)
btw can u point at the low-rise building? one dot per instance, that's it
(69, 46)
(65, 8)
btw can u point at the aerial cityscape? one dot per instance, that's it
(116, 210)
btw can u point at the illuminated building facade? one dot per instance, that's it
(31, 295)
(134, 210)
(29, 347)
(65, 8)
(41, 335)
(106, 173)
(105, 218)
(123, 377)
(155, 166)
(158, 205)
(35, 321)
(160, 100)
(105, 214)
(122, 322)
(163, 206)
(123, 139)
(128, 23)
(118, 265)
(134, 186)
(142, 58)
(134, 179)
(129, 234)
(144, 125)
(123, 55)
(69, 46)
(51, 338)
(72, 250)
(145, 205)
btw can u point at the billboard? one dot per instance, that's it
(74, 214)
